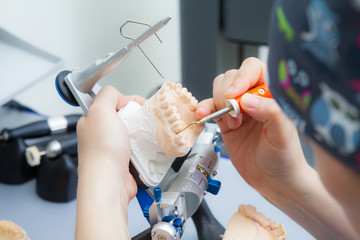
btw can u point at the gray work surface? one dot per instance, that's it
(45, 220)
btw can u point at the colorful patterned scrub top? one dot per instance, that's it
(314, 71)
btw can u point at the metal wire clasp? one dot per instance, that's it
(132, 39)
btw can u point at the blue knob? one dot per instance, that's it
(146, 211)
(157, 194)
(217, 149)
(213, 186)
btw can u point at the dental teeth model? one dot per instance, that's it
(10, 230)
(154, 130)
(247, 224)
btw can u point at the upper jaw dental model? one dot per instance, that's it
(154, 130)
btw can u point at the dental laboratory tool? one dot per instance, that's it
(183, 191)
(167, 197)
(233, 106)
(79, 87)
(52, 148)
(41, 128)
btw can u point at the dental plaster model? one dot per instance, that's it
(154, 130)
(248, 224)
(11, 231)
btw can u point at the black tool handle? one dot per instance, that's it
(69, 145)
(72, 120)
(39, 128)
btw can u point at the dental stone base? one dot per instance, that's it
(154, 130)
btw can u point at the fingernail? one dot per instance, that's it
(232, 122)
(201, 111)
(229, 91)
(249, 100)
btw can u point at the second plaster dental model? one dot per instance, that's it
(154, 130)
(247, 223)
(10, 230)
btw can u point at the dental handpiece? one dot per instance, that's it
(41, 128)
(233, 106)
(66, 144)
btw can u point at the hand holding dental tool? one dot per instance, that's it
(41, 128)
(233, 106)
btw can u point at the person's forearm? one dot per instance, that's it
(308, 203)
(101, 204)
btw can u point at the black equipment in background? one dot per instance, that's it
(57, 178)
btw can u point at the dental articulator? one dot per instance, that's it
(167, 202)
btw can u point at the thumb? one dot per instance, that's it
(278, 127)
(264, 110)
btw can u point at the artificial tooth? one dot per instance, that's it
(162, 96)
(173, 118)
(178, 126)
(178, 88)
(164, 105)
(183, 93)
(169, 111)
(179, 139)
(168, 86)
(193, 104)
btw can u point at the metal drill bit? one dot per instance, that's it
(211, 116)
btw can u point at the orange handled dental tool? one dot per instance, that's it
(233, 106)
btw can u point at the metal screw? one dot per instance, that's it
(161, 237)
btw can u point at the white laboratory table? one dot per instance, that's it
(45, 220)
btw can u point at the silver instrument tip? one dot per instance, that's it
(166, 20)
(210, 117)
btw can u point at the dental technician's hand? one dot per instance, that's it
(264, 146)
(262, 143)
(105, 185)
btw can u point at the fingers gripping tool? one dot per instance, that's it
(233, 106)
